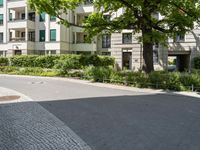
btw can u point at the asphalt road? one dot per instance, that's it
(110, 119)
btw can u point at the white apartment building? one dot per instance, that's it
(23, 32)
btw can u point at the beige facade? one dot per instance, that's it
(24, 32)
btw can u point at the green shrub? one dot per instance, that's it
(98, 74)
(66, 63)
(75, 74)
(116, 77)
(8, 69)
(46, 61)
(173, 81)
(157, 79)
(96, 60)
(189, 80)
(4, 61)
(137, 79)
(33, 61)
(197, 62)
(106, 61)
(23, 61)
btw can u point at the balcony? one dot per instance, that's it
(21, 18)
(85, 8)
(16, 3)
(21, 35)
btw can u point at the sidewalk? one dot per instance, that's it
(12, 96)
(113, 86)
(26, 125)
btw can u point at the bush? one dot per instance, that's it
(189, 80)
(23, 61)
(67, 62)
(116, 77)
(4, 61)
(33, 61)
(96, 60)
(98, 74)
(197, 62)
(46, 61)
(7, 69)
(137, 79)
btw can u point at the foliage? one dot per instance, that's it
(96, 60)
(23, 61)
(4, 61)
(63, 62)
(116, 77)
(66, 63)
(45, 61)
(137, 79)
(34, 71)
(197, 62)
(98, 74)
(179, 16)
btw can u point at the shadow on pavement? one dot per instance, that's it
(150, 122)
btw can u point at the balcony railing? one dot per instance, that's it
(18, 39)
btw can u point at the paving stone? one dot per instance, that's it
(28, 126)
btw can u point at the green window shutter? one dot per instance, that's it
(1, 19)
(53, 35)
(1, 2)
(42, 17)
(42, 35)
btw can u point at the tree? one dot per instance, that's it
(178, 17)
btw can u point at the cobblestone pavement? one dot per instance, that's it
(28, 126)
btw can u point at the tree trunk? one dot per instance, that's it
(148, 65)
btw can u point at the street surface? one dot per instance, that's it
(66, 112)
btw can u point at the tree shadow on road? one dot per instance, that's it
(161, 121)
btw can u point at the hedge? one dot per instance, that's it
(4, 61)
(69, 61)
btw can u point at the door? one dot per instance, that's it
(126, 60)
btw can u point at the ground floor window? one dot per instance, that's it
(17, 52)
(53, 35)
(42, 35)
(51, 52)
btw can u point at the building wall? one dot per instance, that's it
(71, 40)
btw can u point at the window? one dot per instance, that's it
(106, 41)
(180, 38)
(1, 19)
(42, 17)
(10, 16)
(127, 38)
(23, 16)
(53, 18)
(42, 35)
(1, 3)
(31, 36)
(1, 37)
(53, 35)
(31, 16)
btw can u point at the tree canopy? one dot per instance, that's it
(177, 16)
